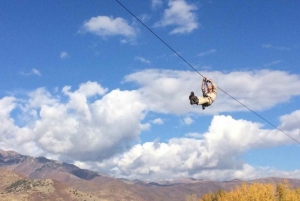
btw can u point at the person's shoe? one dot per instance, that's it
(191, 96)
(195, 100)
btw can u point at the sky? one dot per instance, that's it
(85, 82)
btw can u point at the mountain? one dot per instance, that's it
(30, 178)
(42, 167)
(17, 187)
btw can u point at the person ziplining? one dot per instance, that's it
(209, 93)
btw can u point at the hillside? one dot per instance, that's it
(26, 177)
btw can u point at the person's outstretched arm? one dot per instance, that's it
(204, 86)
(214, 86)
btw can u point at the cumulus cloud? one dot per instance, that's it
(40, 97)
(181, 15)
(11, 135)
(63, 123)
(64, 128)
(291, 121)
(109, 26)
(7, 104)
(259, 90)
(217, 155)
(193, 135)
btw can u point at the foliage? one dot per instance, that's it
(192, 197)
(256, 192)
(25, 184)
(22, 182)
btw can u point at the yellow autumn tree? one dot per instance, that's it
(208, 197)
(256, 192)
(286, 193)
(253, 192)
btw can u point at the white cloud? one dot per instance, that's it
(273, 63)
(60, 125)
(32, 72)
(158, 121)
(64, 55)
(270, 46)
(215, 156)
(194, 135)
(266, 45)
(40, 97)
(188, 121)
(258, 90)
(291, 121)
(36, 72)
(64, 128)
(11, 136)
(207, 53)
(181, 15)
(143, 60)
(156, 3)
(109, 26)
(144, 17)
(78, 99)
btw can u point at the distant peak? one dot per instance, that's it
(6, 154)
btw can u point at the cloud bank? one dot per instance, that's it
(216, 156)
(100, 128)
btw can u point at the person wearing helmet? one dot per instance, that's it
(209, 94)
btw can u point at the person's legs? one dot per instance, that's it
(198, 100)
(203, 100)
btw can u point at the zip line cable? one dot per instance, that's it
(201, 74)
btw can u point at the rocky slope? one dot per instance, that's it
(30, 178)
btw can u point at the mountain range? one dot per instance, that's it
(29, 178)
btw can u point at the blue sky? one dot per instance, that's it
(86, 83)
